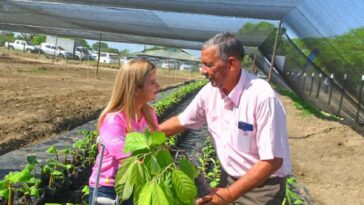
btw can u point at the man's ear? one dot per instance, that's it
(234, 62)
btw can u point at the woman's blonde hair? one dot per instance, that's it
(130, 76)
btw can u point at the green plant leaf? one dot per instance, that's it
(188, 168)
(123, 168)
(158, 138)
(86, 190)
(298, 202)
(183, 185)
(141, 174)
(52, 150)
(152, 194)
(57, 173)
(128, 190)
(145, 195)
(158, 196)
(34, 191)
(168, 192)
(4, 193)
(128, 174)
(164, 158)
(119, 184)
(153, 165)
(135, 141)
(32, 159)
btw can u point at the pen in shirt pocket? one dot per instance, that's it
(245, 126)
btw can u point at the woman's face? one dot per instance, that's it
(150, 88)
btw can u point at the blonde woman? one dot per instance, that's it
(135, 85)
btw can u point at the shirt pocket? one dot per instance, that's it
(244, 141)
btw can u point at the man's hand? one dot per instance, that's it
(218, 196)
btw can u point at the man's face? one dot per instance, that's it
(215, 69)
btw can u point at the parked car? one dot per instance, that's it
(169, 64)
(110, 58)
(82, 53)
(93, 54)
(186, 66)
(23, 46)
(125, 59)
(51, 50)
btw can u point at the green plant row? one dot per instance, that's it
(61, 176)
(164, 106)
(292, 196)
(305, 108)
(210, 164)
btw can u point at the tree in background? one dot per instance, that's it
(125, 52)
(95, 46)
(104, 47)
(25, 36)
(38, 39)
(84, 44)
(6, 37)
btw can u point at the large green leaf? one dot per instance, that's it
(158, 138)
(119, 185)
(152, 194)
(184, 186)
(145, 195)
(153, 165)
(124, 167)
(158, 196)
(135, 141)
(188, 168)
(168, 192)
(128, 174)
(164, 158)
(128, 190)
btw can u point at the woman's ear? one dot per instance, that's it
(137, 91)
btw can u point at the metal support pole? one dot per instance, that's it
(342, 93)
(55, 48)
(98, 57)
(94, 195)
(319, 86)
(304, 82)
(331, 86)
(312, 80)
(274, 52)
(360, 98)
(253, 65)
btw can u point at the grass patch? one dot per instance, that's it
(305, 108)
(41, 69)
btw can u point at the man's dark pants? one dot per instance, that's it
(271, 192)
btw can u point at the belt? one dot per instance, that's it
(269, 181)
(273, 181)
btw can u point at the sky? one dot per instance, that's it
(137, 47)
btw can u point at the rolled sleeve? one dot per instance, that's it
(113, 133)
(194, 117)
(271, 129)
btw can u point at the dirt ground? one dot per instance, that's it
(327, 157)
(38, 99)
